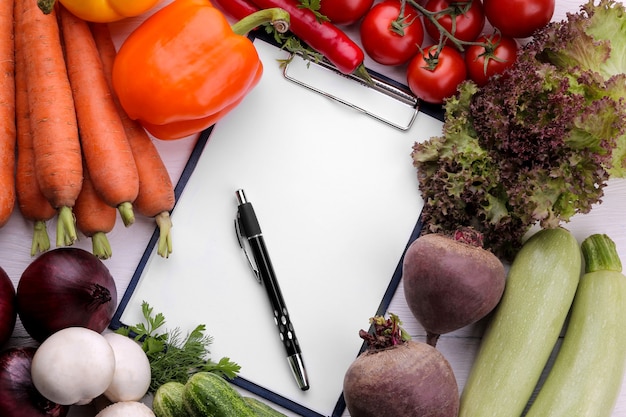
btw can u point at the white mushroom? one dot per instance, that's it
(73, 366)
(131, 379)
(126, 409)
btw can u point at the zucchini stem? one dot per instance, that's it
(600, 254)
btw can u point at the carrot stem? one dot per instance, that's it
(66, 231)
(164, 222)
(101, 246)
(127, 213)
(41, 240)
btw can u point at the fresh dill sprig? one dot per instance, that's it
(172, 357)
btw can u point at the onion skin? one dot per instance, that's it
(450, 284)
(8, 308)
(409, 379)
(18, 395)
(65, 287)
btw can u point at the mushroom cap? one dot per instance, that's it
(131, 379)
(73, 366)
(126, 409)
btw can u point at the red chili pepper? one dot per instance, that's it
(324, 37)
(237, 9)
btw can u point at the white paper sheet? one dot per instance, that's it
(336, 196)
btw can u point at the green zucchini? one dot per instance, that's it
(168, 400)
(586, 377)
(524, 327)
(261, 409)
(209, 395)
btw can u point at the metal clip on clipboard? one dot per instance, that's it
(380, 99)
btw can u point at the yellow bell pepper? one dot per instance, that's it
(103, 11)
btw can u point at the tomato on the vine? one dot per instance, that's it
(465, 20)
(434, 76)
(498, 54)
(519, 18)
(380, 39)
(344, 12)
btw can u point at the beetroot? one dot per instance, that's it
(399, 377)
(451, 282)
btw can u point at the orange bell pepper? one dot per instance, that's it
(184, 67)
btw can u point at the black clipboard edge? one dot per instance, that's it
(385, 302)
(275, 398)
(434, 111)
(180, 185)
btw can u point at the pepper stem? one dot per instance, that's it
(46, 6)
(276, 16)
(600, 254)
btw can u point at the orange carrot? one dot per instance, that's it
(7, 112)
(105, 147)
(31, 202)
(156, 192)
(56, 147)
(94, 217)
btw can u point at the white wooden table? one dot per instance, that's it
(128, 245)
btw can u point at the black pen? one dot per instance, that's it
(248, 228)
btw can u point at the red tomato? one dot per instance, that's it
(469, 19)
(382, 43)
(344, 12)
(519, 18)
(482, 62)
(434, 80)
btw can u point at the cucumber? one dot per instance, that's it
(586, 377)
(524, 327)
(209, 395)
(261, 409)
(168, 400)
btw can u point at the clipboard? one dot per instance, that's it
(336, 194)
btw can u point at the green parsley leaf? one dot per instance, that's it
(173, 357)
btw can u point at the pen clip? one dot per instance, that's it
(241, 239)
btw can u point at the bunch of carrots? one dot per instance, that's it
(68, 148)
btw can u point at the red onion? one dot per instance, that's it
(18, 395)
(65, 287)
(8, 310)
